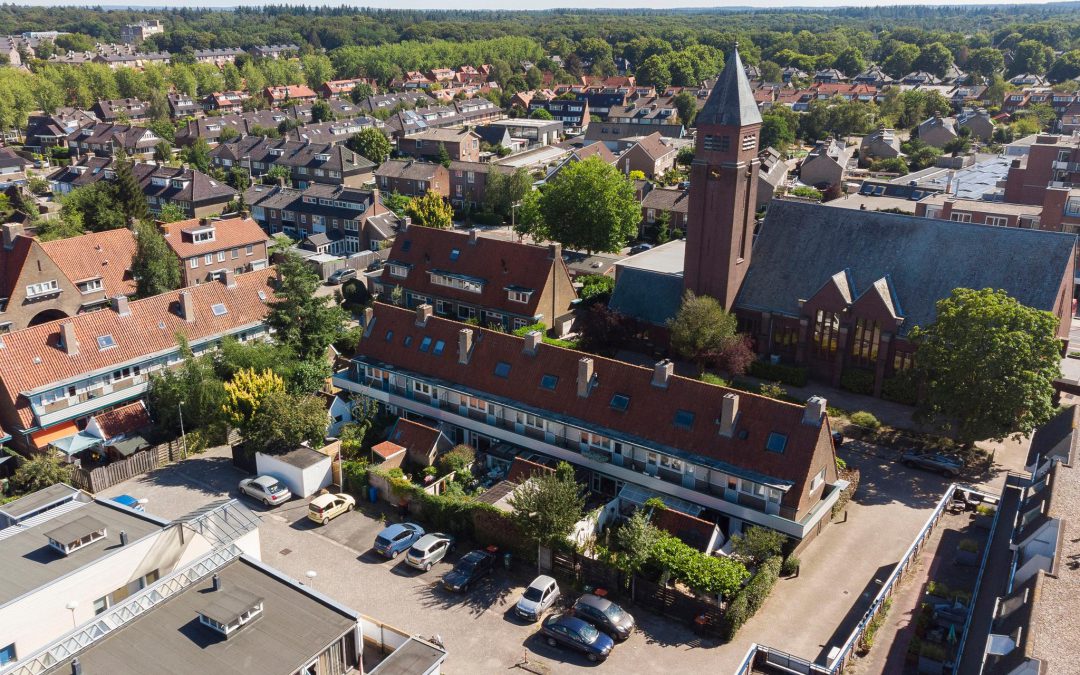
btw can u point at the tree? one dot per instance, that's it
(284, 421)
(246, 391)
(361, 91)
(1066, 67)
(934, 58)
(895, 165)
(370, 143)
(701, 329)
(778, 127)
(988, 364)
(197, 155)
(431, 210)
(899, 63)
(504, 190)
(985, 61)
(321, 112)
(654, 71)
(758, 544)
(163, 152)
(444, 156)
(40, 472)
(1031, 56)
(277, 173)
(154, 266)
(304, 322)
(171, 213)
(589, 205)
(636, 540)
(317, 69)
(94, 207)
(193, 390)
(129, 195)
(849, 62)
(686, 105)
(546, 507)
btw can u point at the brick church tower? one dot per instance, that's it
(723, 187)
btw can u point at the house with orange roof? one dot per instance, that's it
(208, 247)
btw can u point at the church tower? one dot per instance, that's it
(723, 187)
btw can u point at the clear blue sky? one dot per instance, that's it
(525, 4)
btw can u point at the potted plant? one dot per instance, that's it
(984, 516)
(931, 658)
(967, 553)
(936, 592)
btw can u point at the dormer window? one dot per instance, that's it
(518, 295)
(77, 534)
(90, 286)
(322, 157)
(159, 181)
(179, 184)
(201, 236)
(400, 271)
(229, 611)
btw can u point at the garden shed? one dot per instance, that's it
(303, 470)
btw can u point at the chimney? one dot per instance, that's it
(281, 181)
(120, 305)
(123, 538)
(369, 315)
(68, 342)
(217, 583)
(474, 234)
(584, 376)
(187, 306)
(554, 251)
(728, 414)
(228, 277)
(204, 221)
(815, 411)
(464, 346)
(423, 313)
(406, 221)
(11, 231)
(662, 372)
(532, 342)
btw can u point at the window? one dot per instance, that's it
(399, 271)
(826, 333)
(193, 263)
(465, 284)
(519, 296)
(598, 441)
(42, 288)
(960, 217)
(997, 221)
(475, 403)
(250, 249)
(235, 253)
(221, 256)
(219, 309)
(455, 254)
(818, 480)
(389, 335)
(864, 348)
(903, 361)
(7, 654)
(90, 286)
(777, 442)
(620, 402)
(530, 420)
(502, 369)
(549, 382)
(439, 346)
(208, 258)
(671, 463)
(684, 419)
(200, 236)
(425, 344)
(422, 387)
(407, 341)
(105, 342)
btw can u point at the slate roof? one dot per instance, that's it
(801, 245)
(1057, 438)
(731, 102)
(647, 295)
(648, 418)
(408, 169)
(667, 199)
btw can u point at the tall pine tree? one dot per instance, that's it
(155, 268)
(129, 195)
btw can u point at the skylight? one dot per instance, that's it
(502, 369)
(105, 341)
(425, 344)
(389, 335)
(407, 340)
(620, 401)
(219, 309)
(439, 346)
(455, 254)
(262, 296)
(684, 419)
(549, 382)
(776, 443)
(406, 245)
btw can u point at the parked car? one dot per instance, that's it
(267, 489)
(537, 598)
(570, 631)
(837, 440)
(128, 501)
(640, 248)
(605, 615)
(429, 549)
(397, 538)
(341, 276)
(470, 569)
(950, 467)
(325, 508)
(376, 264)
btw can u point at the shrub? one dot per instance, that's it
(486, 218)
(430, 471)
(713, 378)
(900, 388)
(865, 419)
(458, 459)
(808, 193)
(596, 287)
(840, 464)
(747, 601)
(355, 476)
(857, 381)
(792, 375)
(758, 544)
(985, 510)
(772, 390)
(790, 567)
(866, 640)
(937, 588)
(702, 573)
(932, 651)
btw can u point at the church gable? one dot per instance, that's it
(834, 295)
(878, 302)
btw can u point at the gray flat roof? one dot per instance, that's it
(302, 458)
(666, 258)
(28, 562)
(75, 529)
(415, 657)
(38, 500)
(293, 628)
(228, 604)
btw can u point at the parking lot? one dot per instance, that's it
(804, 616)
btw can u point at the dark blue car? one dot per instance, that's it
(397, 538)
(570, 631)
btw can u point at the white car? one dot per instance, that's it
(267, 489)
(538, 597)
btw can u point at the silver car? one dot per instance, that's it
(267, 489)
(429, 549)
(538, 597)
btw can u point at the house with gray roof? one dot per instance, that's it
(826, 164)
(978, 121)
(937, 131)
(882, 143)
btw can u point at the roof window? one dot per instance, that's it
(105, 341)
(684, 419)
(228, 611)
(389, 335)
(439, 346)
(75, 535)
(219, 309)
(425, 344)
(777, 442)
(549, 382)
(502, 369)
(455, 254)
(620, 402)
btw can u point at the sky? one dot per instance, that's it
(527, 4)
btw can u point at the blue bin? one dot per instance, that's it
(373, 494)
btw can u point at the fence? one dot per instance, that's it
(759, 655)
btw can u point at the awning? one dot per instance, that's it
(73, 445)
(130, 445)
(44, 437)
(638, 495)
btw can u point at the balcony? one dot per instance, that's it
(87, 404)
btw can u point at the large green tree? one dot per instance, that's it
(155, 268)
(701, 330)
(370, 143)
(988, 365)
(590, 206)
(283, 421)
(40, 472)
(305, 322)
(504, 190)
(546, 507)
(95, 207)
(431, 210)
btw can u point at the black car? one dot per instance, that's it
(570, 631)
(605, 615)
(375, 265)
(468, 571)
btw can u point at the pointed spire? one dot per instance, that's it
(731, 102)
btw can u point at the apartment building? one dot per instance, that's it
(121, 110)
(573, 114)
(44, 281)
(468, 182)
(135, 33)
(726, 456)
(209, 248)
(308, 162)
(57, 375)
(460, 144)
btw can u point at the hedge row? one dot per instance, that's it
(750, 599)
(857, 381)
(778, 372)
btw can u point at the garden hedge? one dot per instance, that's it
(778, 372)
(750, 598)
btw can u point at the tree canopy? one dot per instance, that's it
(590, 206)
(304, 322)
(155, 268)
(430, 210)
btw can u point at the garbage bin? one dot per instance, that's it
(506, 560)
(373, 494)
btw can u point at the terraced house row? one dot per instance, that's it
(735, 458)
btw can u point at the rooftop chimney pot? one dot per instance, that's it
(815, 411)
(532, 341)
(228, 277)
(662, 372)
(465, 345)
(729, 413)
(187, 306)
(68, 342)
(584, 376)
(423, 313)
(120, 305)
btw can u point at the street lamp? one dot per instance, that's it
(311, 574)
(72, 606)
(183, 436)
(513, 222)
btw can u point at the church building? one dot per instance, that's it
(820, 287)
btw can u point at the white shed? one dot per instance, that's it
(303, 470)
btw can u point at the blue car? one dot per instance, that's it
(128, 501)
(397, 538)
(570, 631)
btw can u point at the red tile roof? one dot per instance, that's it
(105, 255)
(649, 414)
(499, 263)
(522, 470)
(31, 359)
(386, 449)
(228, 233)
(123, 420)
(414, 435)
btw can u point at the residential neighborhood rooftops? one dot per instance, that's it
(97, 255)
(227, 233)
